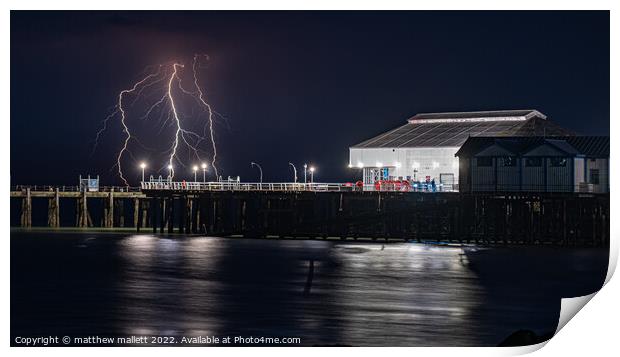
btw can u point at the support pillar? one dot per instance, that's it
(53, 211)
(82, 211)
(162, 214)
(171, 215)
(136, 214)
(144, 206)
(26, 218)
(189, 226)
(198, 222)
(109, 211)
(121, 212)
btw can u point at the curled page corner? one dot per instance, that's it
(613, 260)
(570, 307)
(523, 350)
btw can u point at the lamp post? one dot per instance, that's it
(312, 174)
(294, 171)
(259, 169)
(305, 170)
(195, 169)
(204, 172)
(142, 166)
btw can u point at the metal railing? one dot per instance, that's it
(244, 186)
(241, 186)
(282, 186)
(51, 188)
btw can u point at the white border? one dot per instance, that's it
(591, 331)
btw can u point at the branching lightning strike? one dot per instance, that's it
(175, 145)
(124, 124)
(169, 116)
(208, 106)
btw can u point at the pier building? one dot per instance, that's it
(424, 148)
(534, 164)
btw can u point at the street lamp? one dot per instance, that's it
(311, 174)
(195, 169)
(204, 172)
(143, 166)
(259, 169)
(305, 169)
(294, 171)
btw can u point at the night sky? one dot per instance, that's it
(294, 86)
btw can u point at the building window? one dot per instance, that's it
(594, 176)
(558, 162)
(533, 162)
(484, 161)
(509, 161)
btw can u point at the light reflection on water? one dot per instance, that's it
(324, 292)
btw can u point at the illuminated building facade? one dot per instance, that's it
(424, 148)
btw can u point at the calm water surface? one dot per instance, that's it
(326, 293)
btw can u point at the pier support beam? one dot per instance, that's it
(145, 205)
(83, 219)
(136, 213)
(171, 215)
(108, 211)
(120, 208)
(162, 214)
(189, 211)
(26, 217)
(53, 210)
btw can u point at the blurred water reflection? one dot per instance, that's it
(323, 292)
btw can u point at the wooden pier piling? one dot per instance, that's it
(495, 218)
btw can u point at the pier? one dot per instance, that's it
(321, 211)
(113, 198)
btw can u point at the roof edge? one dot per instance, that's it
(489, 115)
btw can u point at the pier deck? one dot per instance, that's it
(335, 210)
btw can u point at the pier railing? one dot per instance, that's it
(234, 186)
(277, 186)
(244, 186)
(51, 188)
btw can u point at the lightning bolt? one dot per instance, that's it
(209, 110)
(104, 127)
(166, 103)
(175, 144)
(120, 108)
